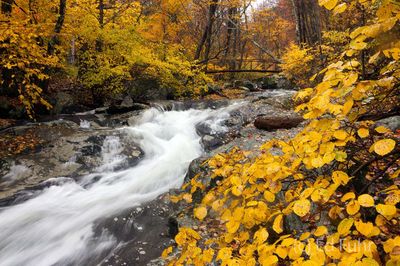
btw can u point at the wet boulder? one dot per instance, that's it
(245, 84)
(277, 122)
(127, 105)
(392, 122)
(146, 231)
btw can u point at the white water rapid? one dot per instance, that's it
(56, 226)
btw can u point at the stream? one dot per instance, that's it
(55, 226)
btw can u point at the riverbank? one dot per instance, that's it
(72, 147)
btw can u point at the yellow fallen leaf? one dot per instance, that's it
(348, 196)
(208, 255)
(200, 212)
(344, 226)
(340, 178)
(363, 132)
(366, 200)
(382, 129)
(334, 212)
(386, 210)
(269, 196)
(304, 236)
(282, 252)
(384, 146)
(278, 224)
(328, 4)
(232, 226)
(369, 262)
(332, 252)
(166, 252)
(266, 261)
(340, 134)
(340, 8)
(224, 254)
(364, 228)
(302, 207)
(321, 230)
(187, 197)
(260, 236)
(353, 207)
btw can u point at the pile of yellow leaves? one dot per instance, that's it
(328, 196)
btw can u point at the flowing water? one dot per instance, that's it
(56, 226)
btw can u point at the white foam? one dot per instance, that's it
(16, 172)
(84, 124)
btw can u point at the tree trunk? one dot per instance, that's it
(99, 41)
(308, 25)
(6, 6)
(57, 29)
(207, 35)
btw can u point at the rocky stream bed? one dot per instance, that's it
(80, 147)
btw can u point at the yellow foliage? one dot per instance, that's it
(26, 60)
(301, 207)
(384, 146)
(297, 63)
(278, 224)
(363, 132)
(200, 212)
(330, 168)
(366, 200)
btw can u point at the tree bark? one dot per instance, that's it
(6, 6)
(99, 41)
(57, 29)
(207, 35)
(308, 24)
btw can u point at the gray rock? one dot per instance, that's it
(127, 101)
(393, 122)
(66, 151)
(267, 83)
(195, 168)
(211, 142)
(246, 84)
(145, 233)
(227, 85)
(63, 101)
(125, 107)
(283, 83)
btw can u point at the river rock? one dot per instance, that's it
(126, 106)
(195, 167)
(246, 84)
(283, 83)
(267, 83)
(65, 150)
(392, 122)
(211, 142)
(63, 101)
(278, 122)
(146, 231)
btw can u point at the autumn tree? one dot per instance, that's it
(23, 52)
